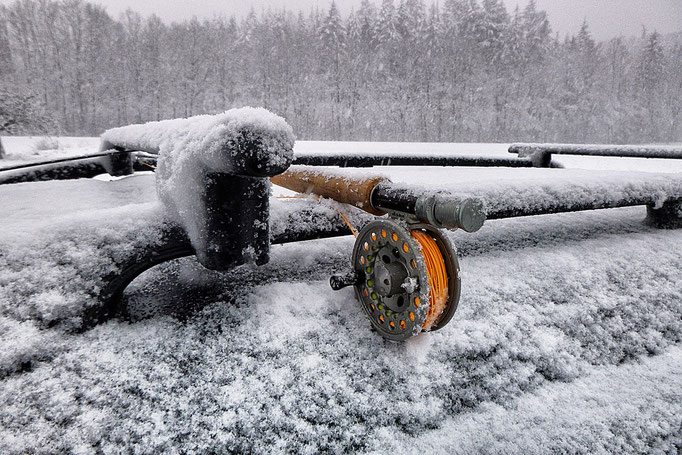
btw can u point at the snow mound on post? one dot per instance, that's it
(190, 148)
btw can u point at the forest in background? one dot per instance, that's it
(459, 70)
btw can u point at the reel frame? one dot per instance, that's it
(392, 282)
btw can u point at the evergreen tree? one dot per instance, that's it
(367, 21)
(584, 59)
(651, 67)
(155, 67)
(332, 38)
(650, 80)
(495, 22)
(387, 33)
(410, 19)
(333, 46)
(433, 31)
(514, 42)
(21, 111)
(537, 33)
(6, 64)
(673, 90)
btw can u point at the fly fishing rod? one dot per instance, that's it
(404, 270)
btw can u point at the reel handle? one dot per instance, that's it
(351, 278)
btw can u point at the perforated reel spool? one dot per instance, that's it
(394, 287)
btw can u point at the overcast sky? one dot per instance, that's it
(607, 18)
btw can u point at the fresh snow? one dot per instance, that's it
(568, 335)
(26, 150)
(631, 408)
(189, 149)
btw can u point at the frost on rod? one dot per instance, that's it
(246, 142)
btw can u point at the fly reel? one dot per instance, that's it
(407, 277)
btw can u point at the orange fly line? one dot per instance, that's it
(436, 274)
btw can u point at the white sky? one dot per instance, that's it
(607, 18)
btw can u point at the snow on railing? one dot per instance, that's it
(541, 154)
(212, 175)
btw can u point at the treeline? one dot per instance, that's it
(459, 70)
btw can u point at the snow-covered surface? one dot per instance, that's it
(26, 150)
(568, 338)
(613, 409)
(104, 231)
(530, 149)
(189, 149)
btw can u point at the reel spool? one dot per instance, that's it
(408, 279)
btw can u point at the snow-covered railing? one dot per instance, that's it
(541, 154)
(404, 159)
(80, 166)
(389, 159)
(295, 221)
(212, 176)
(70, 169)
(578, 190)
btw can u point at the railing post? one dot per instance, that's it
(541, 159)
(212, 175)
(538, 156)
(117, 164)
(668, 216)
(236, 213)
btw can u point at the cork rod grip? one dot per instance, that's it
(348, 190)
